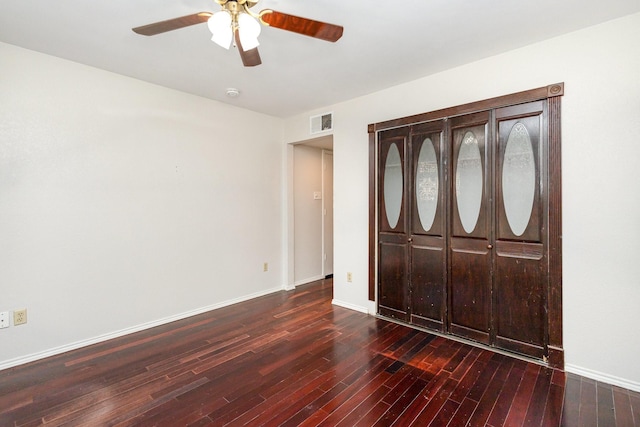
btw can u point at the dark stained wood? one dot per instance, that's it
(428, 255)
(546, 92)
(293, 359)
(251, 57)
(520, 262)
(304, 26)
(393, 239)
(554, 299)
(428, 281)
(495, 287)
(470, 258)
(470, 289)
(372, 215)
(172, 24)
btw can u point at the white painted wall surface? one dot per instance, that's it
(307, 166)
(600, 67)
(123, 204)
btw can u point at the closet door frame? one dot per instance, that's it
(551, 95)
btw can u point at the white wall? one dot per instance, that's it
(601, 204)
(124, 204)
(307, 166)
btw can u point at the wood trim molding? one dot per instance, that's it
(554, 298)
(372, 215)
(553, 90)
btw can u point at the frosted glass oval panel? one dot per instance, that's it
(393, 186)
(469, 182)
(427, 184)
(518, 179)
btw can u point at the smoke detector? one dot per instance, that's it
(232, 92)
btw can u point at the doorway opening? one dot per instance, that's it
(310, 211)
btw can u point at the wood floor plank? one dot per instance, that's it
(492, 393)
(467, 382)
(505, 399)
(313, 406)
(294, 359)
(634, 398)
(273, 397)
(522, 399)
(606, 409)
(464, 412)
(371, 395)
(553, 410)
(538, 401)
(622, 405)
(588, 404)
(413, 392)
(435, 405)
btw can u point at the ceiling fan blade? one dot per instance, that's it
(172, 24)
(296, 24)
(251, 57)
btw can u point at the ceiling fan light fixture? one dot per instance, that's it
(249, 30)
(220, 26)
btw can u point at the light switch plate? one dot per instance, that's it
(4, 319)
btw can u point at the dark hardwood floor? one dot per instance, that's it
(293, 359)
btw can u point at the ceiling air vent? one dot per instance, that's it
(321, 123)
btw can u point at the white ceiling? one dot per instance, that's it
(384, 43)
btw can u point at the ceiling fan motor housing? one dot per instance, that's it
(249, 3)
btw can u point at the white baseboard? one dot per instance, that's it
(308, 280)
(605, 378)
(350, 306)
(116, 334)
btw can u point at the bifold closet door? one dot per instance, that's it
(393, 238)
(470, 241)
(520, 260)
(465, 222)
(427, 254)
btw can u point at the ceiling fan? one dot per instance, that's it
(236, 21)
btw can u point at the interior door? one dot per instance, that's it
(427, 257)
(393, 239)
(327, 212)
(521, 261)
(470, 239)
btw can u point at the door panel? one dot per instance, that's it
(393, 250)
(428, 254)
(520, 313)
(393, 289)
(470, 289)
(470, 259)
(428, 282)
(520, 281)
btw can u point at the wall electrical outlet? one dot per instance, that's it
(349, 277)
(265, 266)
(20, 317)
(4, 319)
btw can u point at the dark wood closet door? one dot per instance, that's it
(470, 241)
(428, 271)
(520, 263)
(393, 238)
